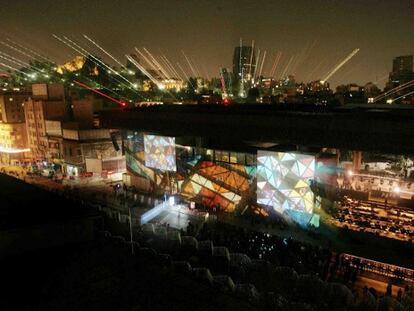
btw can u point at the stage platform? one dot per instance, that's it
(178, 216)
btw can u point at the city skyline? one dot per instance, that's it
(208, 32)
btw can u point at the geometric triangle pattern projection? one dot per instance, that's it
(160, 152)
(283, 180)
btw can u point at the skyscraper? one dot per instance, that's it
(402, 70)
(403, 64)
(244, 63)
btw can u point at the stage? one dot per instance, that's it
(177, 216)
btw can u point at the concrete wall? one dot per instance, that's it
(93, 165)
(83, 112)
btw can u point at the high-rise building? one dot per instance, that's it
(403, 64)
(244, 63)
(36, 114)
(47, 103)
(402, 73)
(13, 136)
(11, 106)
(402, 70)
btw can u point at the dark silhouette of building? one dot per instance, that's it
(402, 73)
(402, 70)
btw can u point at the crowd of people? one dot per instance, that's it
(380, 219)
(306, 259)
(303, 257)
(368, 183)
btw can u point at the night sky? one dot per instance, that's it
(208, 31)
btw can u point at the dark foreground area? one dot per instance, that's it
(102, 276)
(61, 253)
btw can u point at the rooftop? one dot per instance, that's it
(379, 128)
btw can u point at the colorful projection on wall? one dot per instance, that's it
(160, 152)
(283, 181)
(326, 170)
(135, 141)
(136, 167)
(217, 185)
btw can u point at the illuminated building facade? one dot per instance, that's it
(74, 65)
(13, 136)
(173, 84)
(47, 103)
(13, 142)
(211, 177)
(215, 178)
(36, 114)
(258, 180)
(90, 150)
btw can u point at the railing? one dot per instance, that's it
(380, 268)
